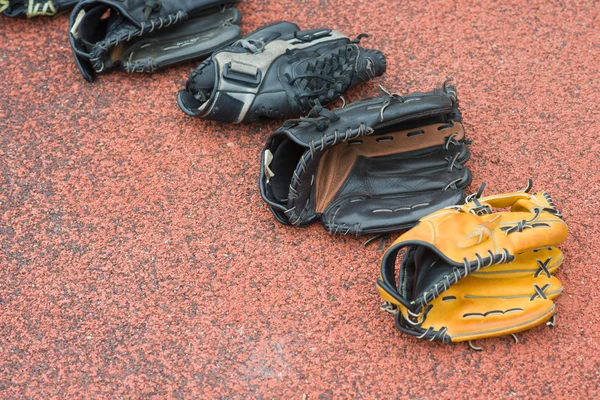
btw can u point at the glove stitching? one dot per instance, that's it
(457, 274)
(540, 292)
(102, 47)
(543, 268)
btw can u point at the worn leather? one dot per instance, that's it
(34, 8)
(138, 38)
(279, 72)
(477, 258)
(376, 165)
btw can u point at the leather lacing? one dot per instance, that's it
(34, 9)
(450, 139)
(318, 116)
(154, 23)
(391, 97)
(342, 228)
(543, 267)
(325, 79)
(40, 9)
(422, 302)
(254, 46)
(481, 209)
(428, 334)
(452, 162)
(526, 224)
(149, 65)
(458, 273)
(540, 292)
(397, 97)
(553, 210)
(151, 5)
(448, 91)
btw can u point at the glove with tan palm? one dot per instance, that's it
(474, 271)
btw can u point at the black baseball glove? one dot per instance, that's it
(34, 8)
(146, 35)
(375, 166)
(278, 72)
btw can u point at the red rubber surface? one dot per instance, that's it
(138, 259)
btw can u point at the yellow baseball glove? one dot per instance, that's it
(475, 271)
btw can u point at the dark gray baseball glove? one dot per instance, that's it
(375, 166)
(278, 72)
(34, 8)
(146, 35)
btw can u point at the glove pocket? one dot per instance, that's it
(391, 193)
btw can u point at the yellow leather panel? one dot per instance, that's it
(460, 234)
(483, 307)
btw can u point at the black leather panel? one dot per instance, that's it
(406, 173)
(360, 215)
(428, 268)
(391, 193)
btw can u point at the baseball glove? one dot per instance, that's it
(278, 72)
(146, 35)
(473, 271)
(374, 166)
(34, 8)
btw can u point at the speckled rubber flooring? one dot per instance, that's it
(137, 258)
